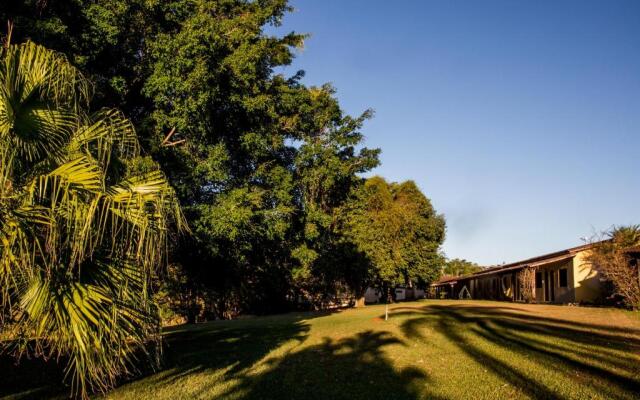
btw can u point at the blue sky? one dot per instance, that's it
(520, 120)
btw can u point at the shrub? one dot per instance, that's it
(616, 257)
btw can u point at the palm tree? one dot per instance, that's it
(84, 222)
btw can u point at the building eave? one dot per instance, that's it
(530, 262)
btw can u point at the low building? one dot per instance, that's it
(400, 293)
(561, 277)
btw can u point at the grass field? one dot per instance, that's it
(434, 349)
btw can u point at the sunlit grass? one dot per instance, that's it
(428, 349)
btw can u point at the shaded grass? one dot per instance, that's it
(428, 349)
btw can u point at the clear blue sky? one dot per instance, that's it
(519, 119)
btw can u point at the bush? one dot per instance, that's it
(616, 257)
(526, 280)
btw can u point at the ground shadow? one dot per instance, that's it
(31, 378)
(226, 345)
(350, 368)
(353, 367)
(601, 357)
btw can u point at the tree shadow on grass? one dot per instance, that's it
(350, 368)
(231, 359)
(602, 358)
(231, 346)
(236, 363)
(31, 378)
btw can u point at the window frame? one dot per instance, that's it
(566, 277)
(538, 280)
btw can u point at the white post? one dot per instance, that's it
(386, 307)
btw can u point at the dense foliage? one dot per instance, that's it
(83, 223)
(459, 267)
(263, 165)
(398, 230)
(616, 254)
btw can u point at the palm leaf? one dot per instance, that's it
(76, 256)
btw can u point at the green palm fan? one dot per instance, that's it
(84, 223)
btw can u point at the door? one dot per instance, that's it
(552, 285)
(545, 286)
(548, 284)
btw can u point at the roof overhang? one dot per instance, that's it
(632, 250)
(450, 282)
(536, 264)
(497, 271)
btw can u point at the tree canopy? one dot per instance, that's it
(259, 161)
(458, 267)
(263, 165)
(399, 231)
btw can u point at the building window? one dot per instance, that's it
(538, 280)
(563, 277)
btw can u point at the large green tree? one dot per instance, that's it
(327, 167)
(258, 159)
(84, 223)
(398, 230)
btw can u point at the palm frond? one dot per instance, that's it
(105, 132)
(80, 240)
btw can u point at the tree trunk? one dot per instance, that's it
(359, 293)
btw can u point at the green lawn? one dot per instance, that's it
(427, 349)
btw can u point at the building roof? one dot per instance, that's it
(529, 262)
(635, 249)
(446, 279)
